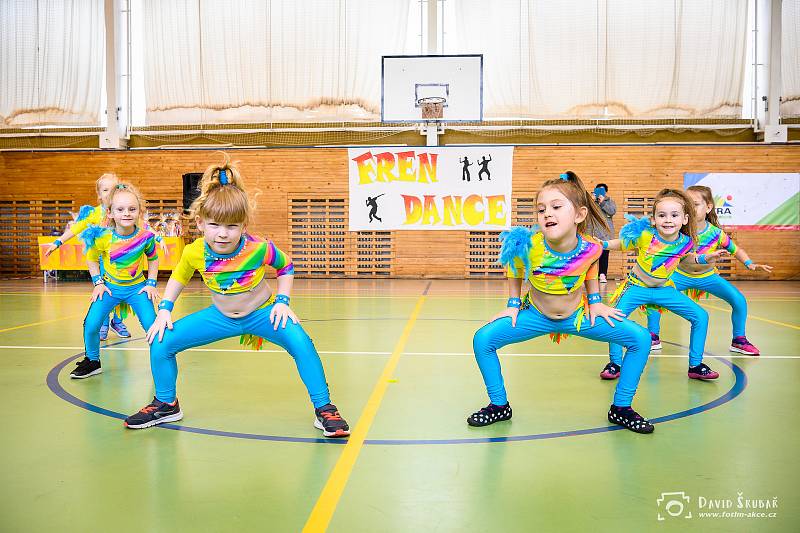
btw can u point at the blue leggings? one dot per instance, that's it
(116, 318)
(532, 323)
(209, 325)
(713, 284)
(99, 309)
(670, 298)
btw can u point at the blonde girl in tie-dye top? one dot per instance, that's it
(661, 243)
(697, 280)
(560, 260)
(233, 264)
(92, 216)
(128, 280)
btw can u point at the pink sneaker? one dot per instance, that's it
(611, 371)
(655, 342)
(742, 345)
(702, 371)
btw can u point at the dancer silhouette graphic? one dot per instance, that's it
(484, 163)
(372, 203)
(465, 169)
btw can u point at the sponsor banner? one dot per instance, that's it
(70, 255)
(430, 188)
(753, 201)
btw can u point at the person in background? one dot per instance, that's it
(609, 209)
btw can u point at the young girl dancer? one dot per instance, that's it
(698, 280)
(89, 215)
(558, 258)
(233, 266)
(121, 246)
(659, 250)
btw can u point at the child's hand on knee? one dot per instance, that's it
(279, 314)
(98, 291)
(163, 320)
(151, 292)
(604, 311)
(510, 312)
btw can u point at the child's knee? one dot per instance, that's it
(163, 349)
(482, 341)
(639, 336)
(738, 300)
(700, 315)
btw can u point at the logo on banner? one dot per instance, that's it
(723, 206)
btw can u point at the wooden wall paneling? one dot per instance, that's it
(318, 236)
(280, 174)
(22, 222)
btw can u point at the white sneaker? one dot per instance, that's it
(603, 278)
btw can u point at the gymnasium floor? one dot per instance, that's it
(399, 363)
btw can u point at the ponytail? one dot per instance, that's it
(223, 197)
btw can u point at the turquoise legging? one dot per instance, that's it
(532, 323)
(677, 302)
(713, 284)
(209, 325)
(116, 318)
(99, 309)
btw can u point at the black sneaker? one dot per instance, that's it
(331, 422)
(489, 415)
(156, 413)
(611, 371)
(630, 419)
(86, 368)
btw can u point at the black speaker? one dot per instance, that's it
(191, 188)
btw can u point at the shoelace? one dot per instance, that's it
(330, 415)
(148, 409)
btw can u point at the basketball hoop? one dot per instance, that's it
(432, 107)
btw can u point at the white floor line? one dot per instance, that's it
(330, 352)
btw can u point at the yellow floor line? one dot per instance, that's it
(329, 498)
(37, 323)
(754, 317)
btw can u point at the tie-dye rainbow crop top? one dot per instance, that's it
(553, 272)
(123, 255)
(710, 240)
(655, 256)
(234, 273)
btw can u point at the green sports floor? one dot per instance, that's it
(399, 362)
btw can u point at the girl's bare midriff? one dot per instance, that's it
(243, 303)
(690, 267)
(556, 306)
(646, 278)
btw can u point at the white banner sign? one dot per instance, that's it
(430, 188)
(753, 201)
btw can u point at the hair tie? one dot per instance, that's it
(223, 178)
(120, 186)
(564, 177)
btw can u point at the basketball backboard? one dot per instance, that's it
(405, 80)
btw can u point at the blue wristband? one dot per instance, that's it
(748, 263)
(281, 299)
(151, 282)
(98, 279)
(514, 302)
(701, 259)
(58, 243)
(169, 305)
(595, 298)
(605, 245)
